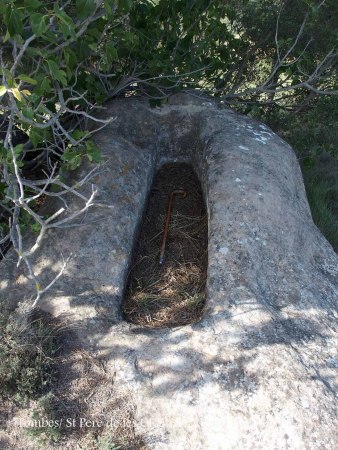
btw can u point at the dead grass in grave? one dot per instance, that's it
(173, 293)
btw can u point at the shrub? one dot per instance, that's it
(27, 357)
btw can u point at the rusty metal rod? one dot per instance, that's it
(182, 194)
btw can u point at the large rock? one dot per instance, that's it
(258, 371)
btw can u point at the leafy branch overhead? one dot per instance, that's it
(61, 60)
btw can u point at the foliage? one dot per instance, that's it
(106, 442)
(322, 197)
(313, 133)
(80, 53)
(27, 357)
(41, 433)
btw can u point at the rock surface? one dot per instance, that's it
(259, 370)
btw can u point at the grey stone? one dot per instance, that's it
(259, 369)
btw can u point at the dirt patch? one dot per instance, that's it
(171, 293)
(83, 409)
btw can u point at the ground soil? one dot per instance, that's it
(172, 293)
(82, 409)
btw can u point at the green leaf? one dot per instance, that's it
(111, 52)
(66, 26)
(8, 77)
(108, 7)
(82, 49)
(75, 162)
(124, 5)
(93, 46)
(18, 150)
(32, 5)
(62, 77)
(13, 21)
(6, 37)
(130, 38)
(38, 23)
(28, 113)
(84, 8)
(37, 136)
(72, 159)
(57, 74)
(43, 87)
(27, 79)
(93, 152)
(36, 227)
(78, 134)
(3, 90)
(53, 67)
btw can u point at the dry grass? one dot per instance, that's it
(91, 394)
(172, 293)
(83, 389)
